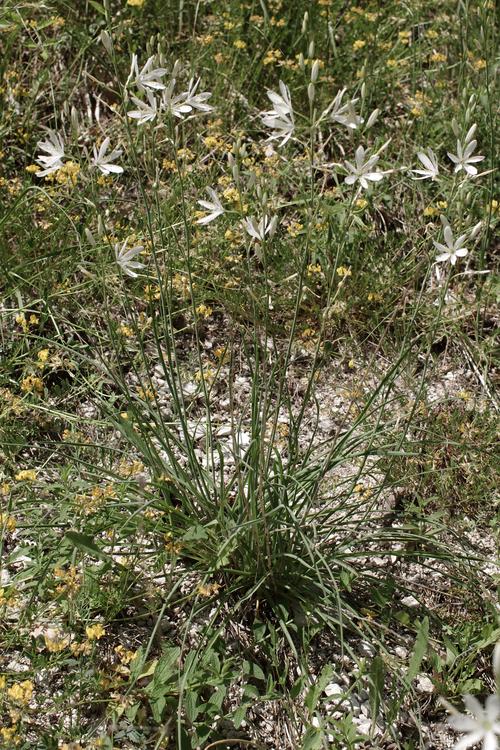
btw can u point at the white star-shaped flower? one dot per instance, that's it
(345, 114)
(103, 161)
(146, 111)
(125, 258)
(362, 171)
(194, 100)
(148, 77)
(280, 119)
(54, 147)
(463, 159)
(174, 105)
(259, 229)
(214, 206)
(430, 163)
(483, 726)
(453, 249)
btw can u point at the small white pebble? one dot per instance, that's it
(424, 684)
(333, 689)
(410, 601)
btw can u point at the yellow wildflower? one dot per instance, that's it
(95, 632)
(438, 57)
(55, 640)
(8, 522)
(21, 692)
(204, 310)
(208, 589)
(67, 174)
(343, 271)
(26, 475)
(31, 383)
(135, 3)
(129, 469)
(8, 598)
(294, 228)
(231, 195)
(9, 736)
(70, 580)
(124, 654)
(314, 269)
(43, 356)
(358, 44)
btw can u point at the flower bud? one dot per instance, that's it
(89, 236)
(311, 92)
(496, 663)
(74, 123)
(310, 50)
(331, 36)
(372, 119)
(475, 230)
(315, 71)
(305, 22)
(107, 42)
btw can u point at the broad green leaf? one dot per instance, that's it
(195, 533)
(97, 6)
(239, 715)
(190, 705)
(86, 544)
(167, 666)
(253, 670)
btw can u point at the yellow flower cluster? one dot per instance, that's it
(205, 311)
(32, 384)
(95, 632)
(7, 523)
(8, 597)
(21, 692)
(343, 271)
(20, 319)
(70, 580)
(272, 57)
(26, 475)
(98, 497)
